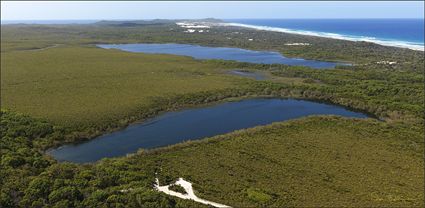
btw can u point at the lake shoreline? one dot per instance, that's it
(203, 105)
(151, 123)
(199, 52)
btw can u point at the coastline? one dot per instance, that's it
(399, 44)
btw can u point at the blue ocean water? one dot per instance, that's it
(394, 32)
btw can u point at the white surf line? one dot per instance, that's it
(189, 190)
(398, 44)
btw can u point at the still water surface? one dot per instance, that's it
(174, 127)
(232, 54)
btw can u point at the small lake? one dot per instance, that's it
(191, 124)
(232, 54)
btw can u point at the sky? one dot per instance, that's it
(98, 10)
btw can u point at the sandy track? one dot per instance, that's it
(189, 190)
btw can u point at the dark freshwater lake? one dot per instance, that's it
(196, 123)
(232, 54)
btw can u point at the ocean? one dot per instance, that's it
(406, 33)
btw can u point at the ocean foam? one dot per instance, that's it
(400, 44)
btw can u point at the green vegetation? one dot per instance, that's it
(258, 195)
(77, 85)
(317, 161)
(75, 91)
(385, 93)
(177, 188)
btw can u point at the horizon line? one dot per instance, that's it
(116, 19)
